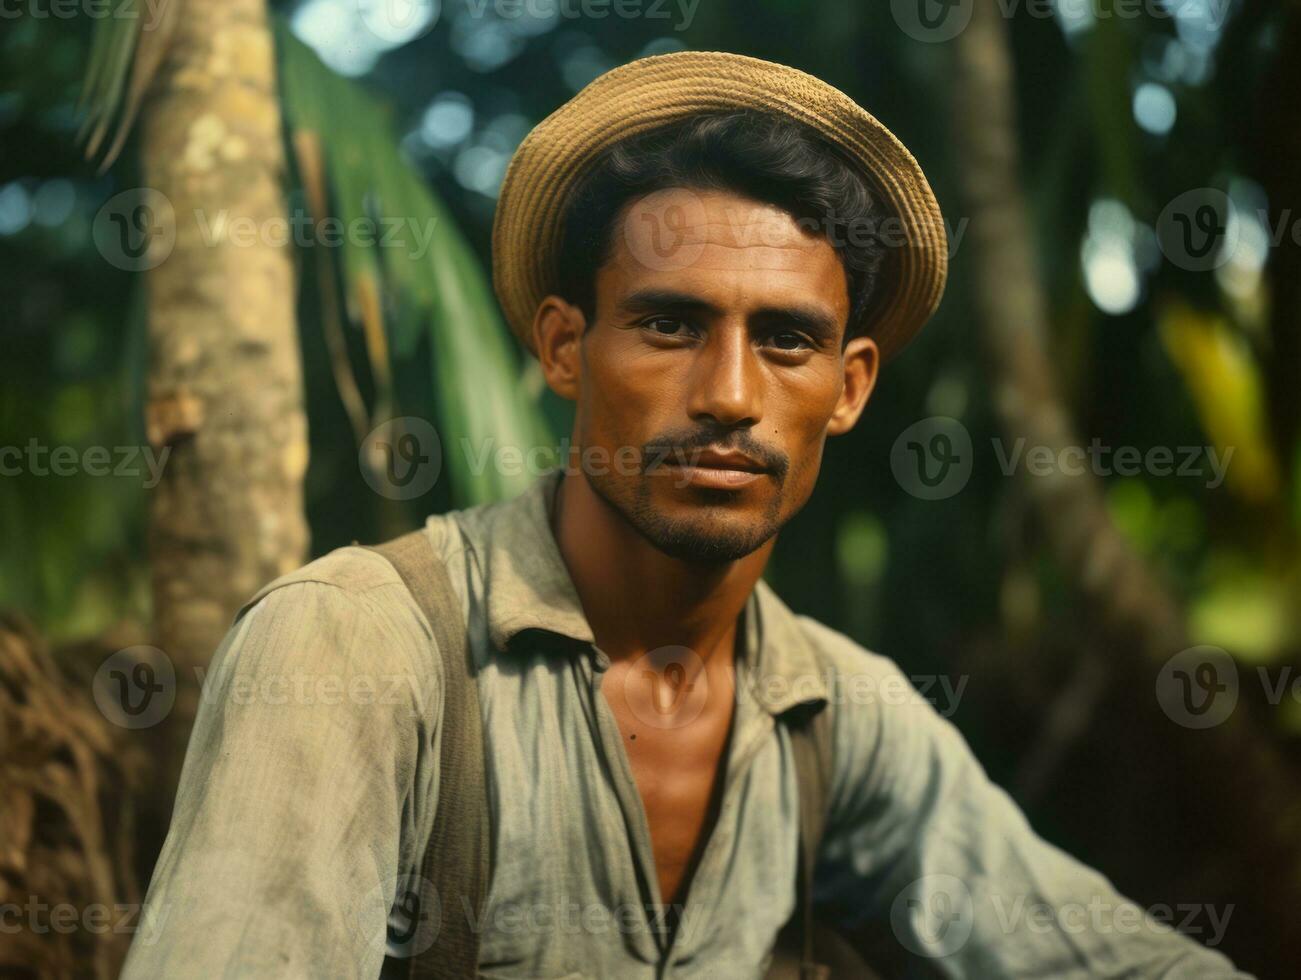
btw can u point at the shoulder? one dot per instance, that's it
(857, 681)
(859, 678)
(841, 656)
(347, 611)
(889, 727)
(352, 572)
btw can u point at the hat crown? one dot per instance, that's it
(656, 91)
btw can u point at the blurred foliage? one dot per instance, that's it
(1118, 116)
(427, 285)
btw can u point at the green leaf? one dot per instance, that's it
(431, 279)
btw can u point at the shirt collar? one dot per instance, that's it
(528, 587)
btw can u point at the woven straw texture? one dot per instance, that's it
(651, 92)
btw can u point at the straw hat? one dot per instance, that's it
(651, 92)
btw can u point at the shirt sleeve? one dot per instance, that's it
(921, 847)
(307, 780)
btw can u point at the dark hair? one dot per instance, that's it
(757, 155)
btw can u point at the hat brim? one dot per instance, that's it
(652, 92)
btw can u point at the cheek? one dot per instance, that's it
(619, 398)
(803, 408)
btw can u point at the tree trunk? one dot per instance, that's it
(1245, 797)
(225, 385)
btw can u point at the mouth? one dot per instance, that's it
(715, 469)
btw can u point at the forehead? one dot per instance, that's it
(729, 249)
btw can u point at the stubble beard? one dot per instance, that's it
(700, 540)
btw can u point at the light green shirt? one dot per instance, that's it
(312, 776)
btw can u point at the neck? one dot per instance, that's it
(637, 598)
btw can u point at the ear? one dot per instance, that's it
(558, 328)
(862, 362)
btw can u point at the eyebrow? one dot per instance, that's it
(811, 319)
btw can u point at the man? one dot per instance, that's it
(711, 256)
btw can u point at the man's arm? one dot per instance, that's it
(307, 779)
(919, 836)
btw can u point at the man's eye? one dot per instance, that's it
(787, 340)
(669, 326)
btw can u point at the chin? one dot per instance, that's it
(696, 524)
(705, 549)
(705, 533)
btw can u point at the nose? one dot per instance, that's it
(726, 379)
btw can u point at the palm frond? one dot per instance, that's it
(431, 282)
(125, 54)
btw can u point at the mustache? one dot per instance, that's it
(686, 445)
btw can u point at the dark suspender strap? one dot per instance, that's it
(796, 950)
(457, 859)
(811, 748)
